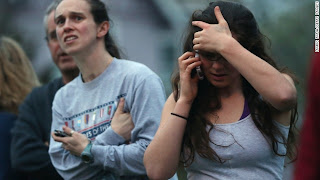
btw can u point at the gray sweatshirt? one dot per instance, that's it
(88, 108)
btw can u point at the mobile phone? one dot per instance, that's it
(60, 133)
(198, 69)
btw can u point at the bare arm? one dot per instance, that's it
(276, 88)
(161, 158)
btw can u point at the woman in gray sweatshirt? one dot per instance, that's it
(101, 142)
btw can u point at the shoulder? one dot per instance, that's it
(53, 85)
(45, 91)
(136, 73)
(66, 90)
(133, 68)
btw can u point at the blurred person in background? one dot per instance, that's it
(17, 78)
(308, 162)
(31, 133)
(238, 122)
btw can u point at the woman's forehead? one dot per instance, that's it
(74, 6)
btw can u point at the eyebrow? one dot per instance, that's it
(72, 13)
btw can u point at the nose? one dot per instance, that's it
(217, 65)
(67, 26)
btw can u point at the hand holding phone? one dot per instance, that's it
(198, 69)
(60, 133)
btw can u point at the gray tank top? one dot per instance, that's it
(248, 155)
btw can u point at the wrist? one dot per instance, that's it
(114, 128)
(119, 132)
(86, 155)
(84, 145)
(182, 108)
(184, 101)
(177, 115)
(227, 45)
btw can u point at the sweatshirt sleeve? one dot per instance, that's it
(109, 137)
(146, 107)
(29, 154)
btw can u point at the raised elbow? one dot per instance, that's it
(287, 100)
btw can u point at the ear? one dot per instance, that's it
(103, 29)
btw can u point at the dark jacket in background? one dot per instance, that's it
(29, 154)
(6, 123)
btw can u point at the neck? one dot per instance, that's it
(234, 89)
(93, 62)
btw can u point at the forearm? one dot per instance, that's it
(109, 137)
(118, 159)
(123, 160)
(162, 156)
(274, 87)
(70, 166)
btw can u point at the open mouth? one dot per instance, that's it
(70, 38)
(218, 77)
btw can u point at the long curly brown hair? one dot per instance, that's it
(17, 77)
(196, 136)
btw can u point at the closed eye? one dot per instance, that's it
(212, 56)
